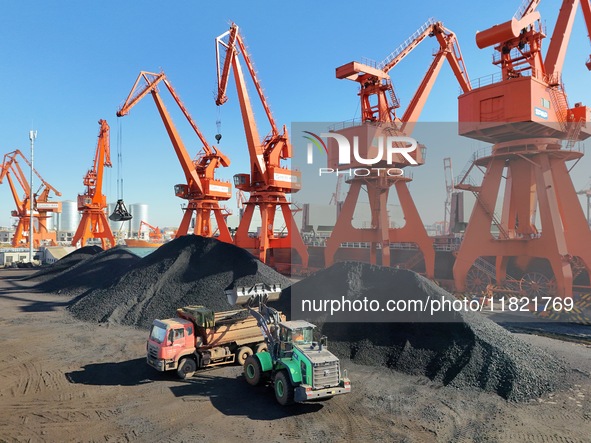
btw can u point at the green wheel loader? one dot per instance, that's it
(299, 368)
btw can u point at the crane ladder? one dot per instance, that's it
(560, 103)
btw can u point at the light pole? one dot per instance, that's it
(32, 137)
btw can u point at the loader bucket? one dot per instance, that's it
(244, 295)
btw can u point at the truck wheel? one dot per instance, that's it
(253, 371)
(242, 353)
(283, 389)
(187, 368)
(261, 347)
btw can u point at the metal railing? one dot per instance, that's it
(430, 22)
(369, 62)
(485, 80)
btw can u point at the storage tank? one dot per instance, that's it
(55, 221)
(69, 217)
(139, 211)
(117, 226)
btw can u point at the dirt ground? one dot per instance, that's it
(65, 380)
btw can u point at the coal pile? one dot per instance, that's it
(96, 271)
(68, 262)
(188, 270)
(468, 352)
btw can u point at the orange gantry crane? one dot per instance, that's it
(93, 203)
(202, 190)
(524, 113)
(42, 207)
(378, 117)
(268, 182)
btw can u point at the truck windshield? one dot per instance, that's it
(302, 335)
(157, 334)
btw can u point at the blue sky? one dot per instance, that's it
(65, 65)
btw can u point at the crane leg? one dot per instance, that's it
(241, 237)
(343, 228)
(414, 230)
(294, 242)
(185, 223)
(224, 232)
(94, 224)
(564, 232)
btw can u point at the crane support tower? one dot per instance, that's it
(93, 203)
(524, 113)
(11, 170)
(378, 117)
(268, 181)
(202, 191)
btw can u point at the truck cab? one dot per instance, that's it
(169, 341)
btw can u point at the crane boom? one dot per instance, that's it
(449, 50)
(140, 91)
(560, 37)
(586, 7)
(527, 7)
(407, 46)
(376, 81)
(256, 148)
(554, 61)
(231, 56)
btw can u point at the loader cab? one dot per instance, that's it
(296, 332)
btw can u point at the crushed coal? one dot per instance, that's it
(96, 271)
(65, 264)
(461, 350)
(186, 271)
(469, 352)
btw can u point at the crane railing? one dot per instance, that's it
(407, 43)
(369, 62)
(526, 7)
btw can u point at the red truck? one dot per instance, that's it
(199, 337)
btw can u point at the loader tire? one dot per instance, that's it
(283, 389)
(253, 372)
(242, 353)
(187, 368)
